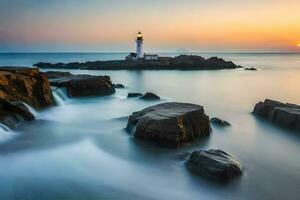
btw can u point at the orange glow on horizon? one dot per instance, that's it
(197, 25)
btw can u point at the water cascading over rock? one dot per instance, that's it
(21, 90)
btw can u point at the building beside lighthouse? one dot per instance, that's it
(139, 54)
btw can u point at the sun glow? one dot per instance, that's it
(298, 45)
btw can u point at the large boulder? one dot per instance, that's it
(83, 85)
(285, 114)
(214, 165)
(11, 113)
(170, 124)
(26, 85)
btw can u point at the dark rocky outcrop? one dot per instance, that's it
(118, 86)
(284, 114)
(133, 95)
(26, 85)
(82, 85)
(251, 69)
(150, 96)
(214, 165)
(11, 113)
(182, 62)
(219, 122)
(170, 124)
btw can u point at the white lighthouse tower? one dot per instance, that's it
(139, 45)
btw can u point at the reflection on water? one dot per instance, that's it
(80, 150)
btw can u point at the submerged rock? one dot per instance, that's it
(284, 114)
(219, 122)
(25, 84)
(11, 112)
(83, 85)
(251, 69)
(150, 96)
(119, 86)
(214, 165)
(132, 95)
(170, 124)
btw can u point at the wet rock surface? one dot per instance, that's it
(150, 96)
(119, 86)
(170, 124)
(57, 74)
(26, 85)
(12, 113)
(251, 69)
(219, 122)
(133, 95)
(82, 85)
(284, 114)
(215, 165)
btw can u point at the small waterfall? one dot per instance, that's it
(60, 96)
(32, 110)
(5, 133)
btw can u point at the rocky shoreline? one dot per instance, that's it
(182, 62)
(169, 124)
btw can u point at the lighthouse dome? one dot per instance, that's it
(139, 36)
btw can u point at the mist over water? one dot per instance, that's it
(80, 150)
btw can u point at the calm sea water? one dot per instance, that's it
(79, 149)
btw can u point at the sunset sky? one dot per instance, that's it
(168, 25)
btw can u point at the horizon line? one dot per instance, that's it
(158, 52)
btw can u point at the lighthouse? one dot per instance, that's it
(139, 45)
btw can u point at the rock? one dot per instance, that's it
(214, 165)
(118, 86)
(251, 69)
(170, 124)
(150, 96)
(132, 95)
(284, 114)
(219, 122)
(26, 85)
(57, 74)
(84, 85)
(11, 112)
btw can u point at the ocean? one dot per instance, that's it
(80, 150)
